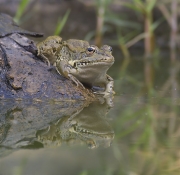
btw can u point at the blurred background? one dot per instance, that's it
(145, 38)
(149, 25)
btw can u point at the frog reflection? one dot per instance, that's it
(22, 124)
(88, 126)
(19, 121)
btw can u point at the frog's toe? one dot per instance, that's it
(105, 93)
(99, 92)
(109, 93)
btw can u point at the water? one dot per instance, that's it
(139, 135)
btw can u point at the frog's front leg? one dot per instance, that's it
(65, 69)
(109, 92)
(109, 86)
(46, 59)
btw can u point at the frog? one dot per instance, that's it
(77, 60)
(49, 48)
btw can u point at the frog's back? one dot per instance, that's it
(76, 45)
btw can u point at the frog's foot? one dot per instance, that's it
(109, 92)
(104, 93)
(109, 100)
(109, 87)
(45, 59)
(106, 96)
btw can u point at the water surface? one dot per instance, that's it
(139, 135)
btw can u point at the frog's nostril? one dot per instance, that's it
(74, 65)
(54, 50)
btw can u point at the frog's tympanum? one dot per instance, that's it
(80, 62)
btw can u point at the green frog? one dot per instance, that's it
(80, 62)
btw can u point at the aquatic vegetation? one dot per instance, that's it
(61, 23)
(129, 31)
(21, 9)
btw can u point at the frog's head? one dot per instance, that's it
(87, 63)
(82, 55)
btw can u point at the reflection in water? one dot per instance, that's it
(86, 126)
(148, 74)
(19, 120)
(34, 125)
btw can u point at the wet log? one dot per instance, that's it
(23, 75)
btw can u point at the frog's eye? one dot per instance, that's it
(91, 49)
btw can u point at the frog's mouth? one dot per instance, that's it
(91, 62)
(87, 132)
(92, 138)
